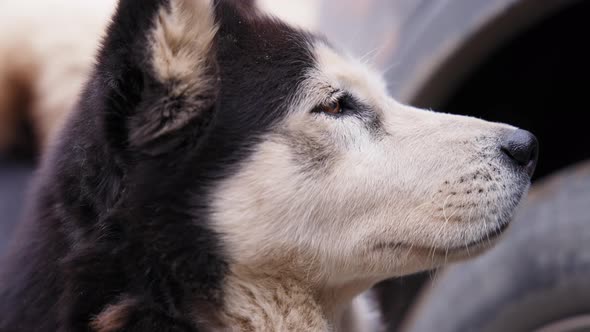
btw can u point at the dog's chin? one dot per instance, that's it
(475, 247)
(451, 252)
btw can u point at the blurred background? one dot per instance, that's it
(524, 62)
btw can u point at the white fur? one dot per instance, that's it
(413, 185)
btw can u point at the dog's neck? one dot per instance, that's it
(255, 302)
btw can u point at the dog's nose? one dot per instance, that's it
(522, 147)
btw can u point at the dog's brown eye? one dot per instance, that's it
(332, 108)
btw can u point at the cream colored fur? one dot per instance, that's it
(49, 47)
(181, 56)
(181, 42)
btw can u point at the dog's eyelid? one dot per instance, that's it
(348, 105)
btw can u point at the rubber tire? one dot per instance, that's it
(539, 273)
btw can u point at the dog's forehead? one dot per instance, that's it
(262, 62)
(262, 42)
(264, 48)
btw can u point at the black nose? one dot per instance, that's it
(522, 147)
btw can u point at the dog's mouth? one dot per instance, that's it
(483, 242)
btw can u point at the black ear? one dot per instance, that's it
(157, 74)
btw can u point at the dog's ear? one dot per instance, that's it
(157, 74)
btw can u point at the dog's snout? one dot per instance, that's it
(522, 147)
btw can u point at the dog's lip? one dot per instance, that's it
(486, 239)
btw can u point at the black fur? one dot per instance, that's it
(120, 213)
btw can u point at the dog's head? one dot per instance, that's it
(291, 152)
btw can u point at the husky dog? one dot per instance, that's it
(225, 171)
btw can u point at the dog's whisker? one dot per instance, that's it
(386, 70)
(444, 207)
(366, 58)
